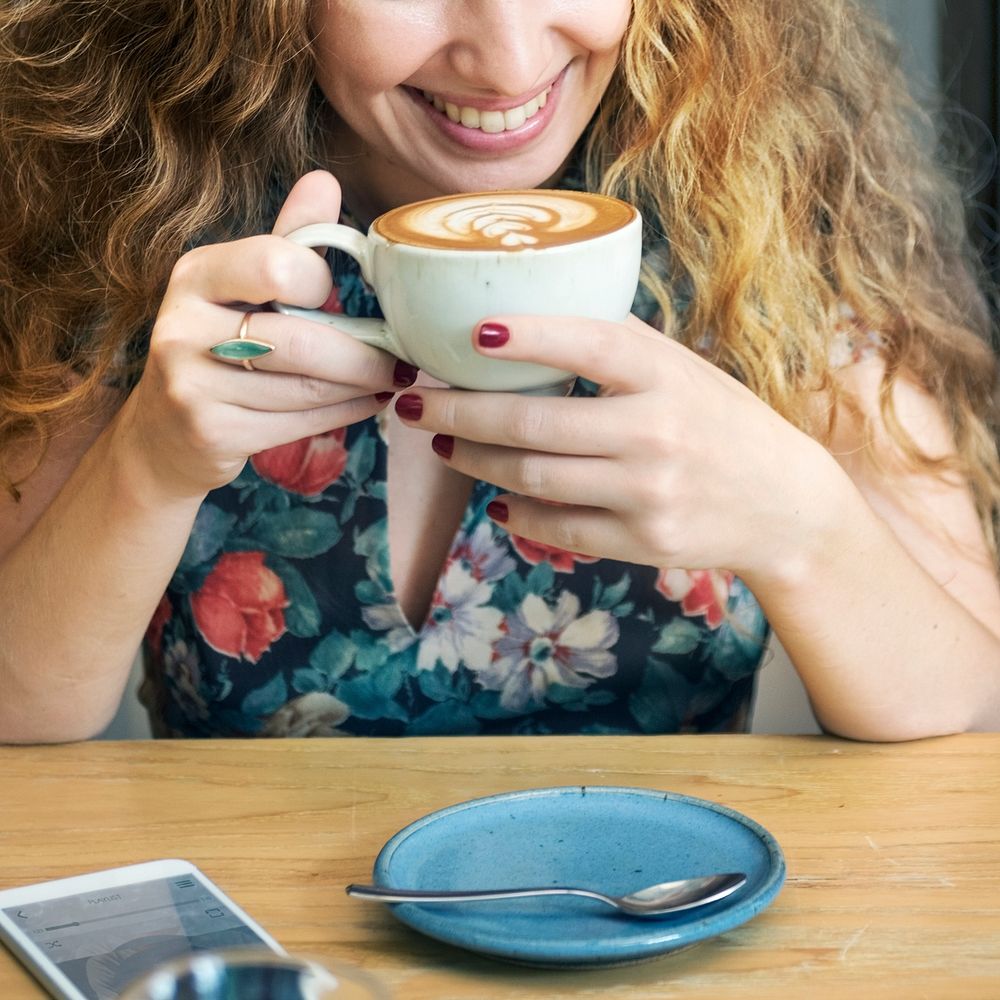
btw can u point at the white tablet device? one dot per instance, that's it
(88, 937)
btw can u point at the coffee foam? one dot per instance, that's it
(504, 220)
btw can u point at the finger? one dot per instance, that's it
(258, 270)
(592, 482)
(261, 431)
(302, 347)
(273, 392)
(564, 426)
(608, 353)
(305, 353)
(587, 531)
(315, 197)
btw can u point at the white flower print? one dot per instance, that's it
(315, 714)
(389, 618)
(485, 559)
(545, 646)
(459, 628)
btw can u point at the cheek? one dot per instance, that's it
(601, 25)
(357, 47)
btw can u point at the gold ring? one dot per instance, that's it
(241, 347)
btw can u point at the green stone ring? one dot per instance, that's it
(241, 347)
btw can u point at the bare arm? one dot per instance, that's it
(892, 616)
(86, 556)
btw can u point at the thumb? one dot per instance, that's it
(315, 197)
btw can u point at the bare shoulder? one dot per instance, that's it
(40, 481)
(934, 516)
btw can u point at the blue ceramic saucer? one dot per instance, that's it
(615, 840)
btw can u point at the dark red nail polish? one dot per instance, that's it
(443, 444)
(409, 406)
(404, 375)
(383, 397)
(493, 335)
(497, 509)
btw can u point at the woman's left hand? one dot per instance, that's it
(674, 464)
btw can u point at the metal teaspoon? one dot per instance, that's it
(653, 901)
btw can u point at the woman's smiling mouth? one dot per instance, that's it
(490, 121)
(489, 128)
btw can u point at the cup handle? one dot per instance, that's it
(375, 332)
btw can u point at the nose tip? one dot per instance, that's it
(503, 59)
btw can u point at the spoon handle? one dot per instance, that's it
(447, 896)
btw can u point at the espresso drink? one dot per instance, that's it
(504, 220)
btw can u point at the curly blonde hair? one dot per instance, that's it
(774, 141)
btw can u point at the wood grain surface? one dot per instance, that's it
(893, 851)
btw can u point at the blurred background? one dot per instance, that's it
(949, 49)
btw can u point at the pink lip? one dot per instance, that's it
(497, 142)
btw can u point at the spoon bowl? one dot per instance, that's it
(652, 901)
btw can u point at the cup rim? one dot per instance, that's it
(561, 248)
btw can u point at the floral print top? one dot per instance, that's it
(280, 619)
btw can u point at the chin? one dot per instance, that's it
(495, 177)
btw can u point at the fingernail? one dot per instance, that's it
(383, 397)
(443, 444)
(404, 375)
(497, 509)
(409, 406)
(493, 335)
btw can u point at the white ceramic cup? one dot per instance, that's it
(434, 297)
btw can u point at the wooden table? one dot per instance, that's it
(893, 851)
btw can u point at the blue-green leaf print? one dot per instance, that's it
(606, 598)
(678, 637)
(302, 616)
(299, 533)
(486, 705)
(371, 695)
(211, 526)
(661, 701)
(266, 700)
(737, 645)
(334, 655)
(509, 593)
(371, 544)
(436, 684)
(372, 653)
(306, 680)
(540, 579)
(360, 460)
(450, 717)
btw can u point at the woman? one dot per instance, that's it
(810, 442)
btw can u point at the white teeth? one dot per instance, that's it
(515, 118)
(489, 121)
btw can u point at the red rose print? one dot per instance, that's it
(536, 552)
(700, 592)
(239, 608)
(306, 466)
(333, 303)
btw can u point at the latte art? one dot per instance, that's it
(509, 224)
(504, 220)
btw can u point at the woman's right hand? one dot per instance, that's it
(195, 420)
